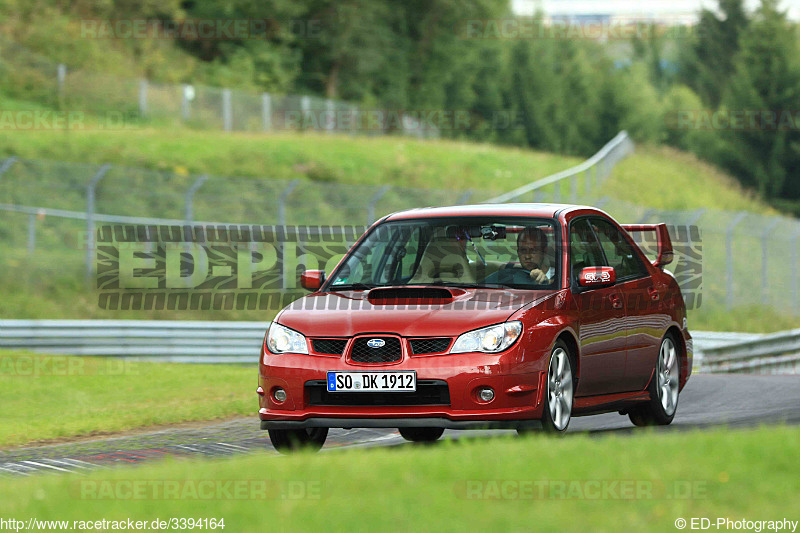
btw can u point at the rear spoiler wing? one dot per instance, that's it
(665, 253)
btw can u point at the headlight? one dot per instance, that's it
(490, 340)
(281, 339)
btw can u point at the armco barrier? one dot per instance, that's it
(156, 340)
(776, 353)
(240, 342)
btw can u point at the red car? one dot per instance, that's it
(490, 316)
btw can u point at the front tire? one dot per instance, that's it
(291, 440)
(664, 389)
(560, 391)
(421, 434)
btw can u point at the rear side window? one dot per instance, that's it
(584, 250)
(619, 252)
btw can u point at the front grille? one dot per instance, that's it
(390, 352)
(426, 346)
(429, 392)
(329, 346)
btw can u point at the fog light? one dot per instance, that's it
(486, 395)
(279, 395)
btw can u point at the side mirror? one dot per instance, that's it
(597, 277)
(312, 280)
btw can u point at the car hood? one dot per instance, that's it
(347, 313)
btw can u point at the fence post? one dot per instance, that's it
(330, 117)
(374, 200)
(31, 233)
(355, 117)
(764, 261)
(266, 111)
(305, 109)
(90, 244)
(556, 192)
(795, 238)
(8, 163)
(464, 198)
(282, 201)
(227, 112)
(61, 76)
(574, 186)
(186, 92)
(646, 216)
(143, 97)
(729, 258)
(189, 199)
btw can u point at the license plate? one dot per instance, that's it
(372, 381)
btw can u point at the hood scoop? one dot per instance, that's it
(413, 295)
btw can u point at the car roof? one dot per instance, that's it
(519, 209)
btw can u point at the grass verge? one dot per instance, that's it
(50, 397)
(642, 482)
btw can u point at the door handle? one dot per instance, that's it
(616, 301)
(653, 292)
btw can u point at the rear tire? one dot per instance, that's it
(291, 440)
(421, 434)
(664, 389)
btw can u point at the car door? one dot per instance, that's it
(644, 325)
(602, 318)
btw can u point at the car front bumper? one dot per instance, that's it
(517, 379)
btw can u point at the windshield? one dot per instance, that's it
(485, 252)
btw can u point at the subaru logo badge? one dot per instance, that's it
(376, 343)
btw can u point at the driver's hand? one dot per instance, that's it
(538, 276)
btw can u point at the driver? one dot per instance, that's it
(532, 251)
(535, 265)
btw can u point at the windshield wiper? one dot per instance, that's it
(351, 287)
(469, 285)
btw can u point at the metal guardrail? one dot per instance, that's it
(142, 340)
(596, 169)
(775, 353)
(240, 342)
(706, 340)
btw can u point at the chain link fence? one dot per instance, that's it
(119, 100)
(48, 207)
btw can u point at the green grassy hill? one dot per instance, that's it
(160, 164)
(658, 177)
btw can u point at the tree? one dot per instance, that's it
(767, 84)
(707, 62)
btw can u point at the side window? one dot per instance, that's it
(584, 250)
(618, 250)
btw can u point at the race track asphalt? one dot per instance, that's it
(730, 400)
